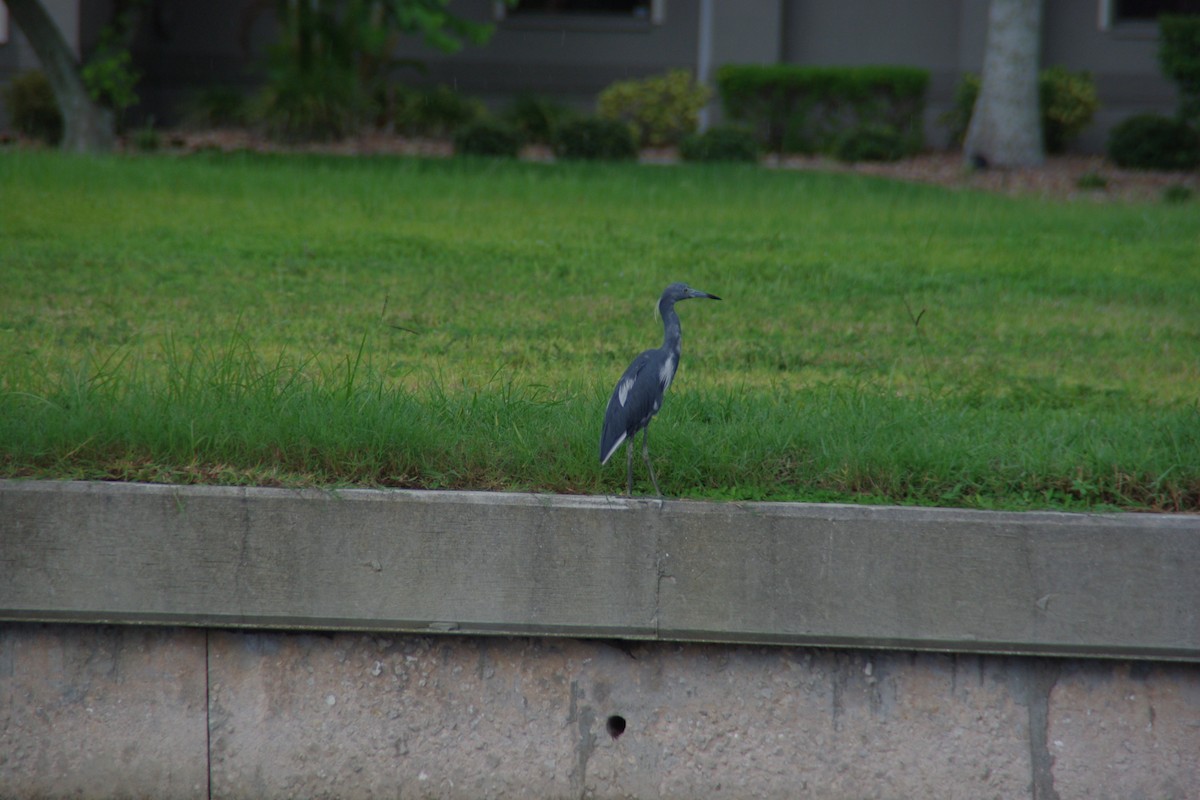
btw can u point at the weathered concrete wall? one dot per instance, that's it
(430, 702)
(100, 711)
(909, 578)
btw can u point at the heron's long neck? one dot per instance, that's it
(671, 330)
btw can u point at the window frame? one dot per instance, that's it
(1108, 22)
(590, 22)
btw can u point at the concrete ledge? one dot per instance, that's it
(1123, 586)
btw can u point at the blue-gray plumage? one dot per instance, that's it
(639, 394)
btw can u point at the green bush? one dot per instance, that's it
(594, 138)
(314, 104)
(217, 107)
(108, 72)
(958, 118)
(1068, 102)
(1092, 181)
(435, 112)
(1179, 55)
(32, 109)
(1152, 141)
(1177, 193)
(811, 109)
(662, 109)
(870, 143)
(720, 143)
(536, 118)
(111, 79)
(146, 138)
(487, 137)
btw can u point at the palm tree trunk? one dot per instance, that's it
(88, 127)
(1006, 126)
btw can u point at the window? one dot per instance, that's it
(642, 11)
(1142, 13)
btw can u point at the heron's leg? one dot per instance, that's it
(646, 455)
(629, 467)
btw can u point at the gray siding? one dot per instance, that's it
(185, 46)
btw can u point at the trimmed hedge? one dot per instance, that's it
(813, 109)
(537, 118)
(1152, 141)
(720, 143)
(487, 137)
(595, 139)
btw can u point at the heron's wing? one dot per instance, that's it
(635, 399)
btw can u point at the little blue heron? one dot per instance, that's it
(639, 394)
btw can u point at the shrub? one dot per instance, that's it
(487, 137)
(958, 118)
(720, 143)
(32, 108)
(662, 109)
(1092, 181)
(595, 138)
(1152, 141)
(217, 107)
(536, 118)
(811, 109)
(313, 104)
(146, 138)
(1179, 55)
(435, 112)
(108, 73)
(1068, 102)
(870, 143)
(111, 79)
(1177, 193)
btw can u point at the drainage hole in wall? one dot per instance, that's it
(615, 726)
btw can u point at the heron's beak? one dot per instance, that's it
(693, 293)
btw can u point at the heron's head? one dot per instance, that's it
(681, 291)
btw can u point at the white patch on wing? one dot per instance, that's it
(623, 391)
(667, 372)
(612, 450)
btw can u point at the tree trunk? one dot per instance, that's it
(87, 126)
(1006, 126)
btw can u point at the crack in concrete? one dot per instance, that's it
(660, 575)
(583, 719)
(1039, 682)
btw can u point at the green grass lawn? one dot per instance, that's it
(459, 324)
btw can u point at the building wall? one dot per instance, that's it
(574, 59)
(944, 38)
(185, 46)
(1123, 59)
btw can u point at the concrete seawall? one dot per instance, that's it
(208, 642)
